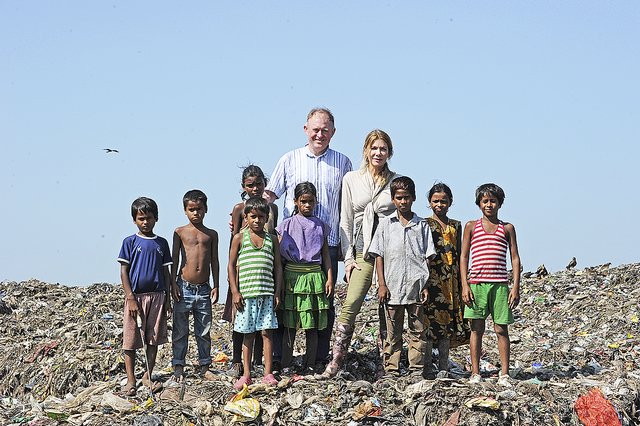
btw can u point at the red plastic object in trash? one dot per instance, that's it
(593, 409)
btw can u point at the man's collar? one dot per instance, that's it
(311, 154)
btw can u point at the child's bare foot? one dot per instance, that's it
(129, 389)
(153, 386)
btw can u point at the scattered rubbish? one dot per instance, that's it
(314, 414)
(453, 420)
(203, 408)
(482, 402)
(507, 395)
(295, 400)
(144, 406)
(147, 420)
(5, 308)
(221, 357)
(593, 409)
(243, 407)
(418, 389)
(370, 408)
(574, 330)
(116, 403)
(56, 415)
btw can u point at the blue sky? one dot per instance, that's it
(540, 97)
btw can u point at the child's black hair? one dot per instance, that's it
(256, 203)
(195, 195)
(492, 189)
(251, 171)
(301, 189)
(145, 205)
(440, 187)
(403, 182)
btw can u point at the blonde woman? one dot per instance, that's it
(366, 198)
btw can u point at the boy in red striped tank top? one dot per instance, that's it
(485, 286)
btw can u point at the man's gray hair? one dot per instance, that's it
(321, 110)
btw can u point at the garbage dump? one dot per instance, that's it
(576, 339)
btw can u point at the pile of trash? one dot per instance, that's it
(575, 358)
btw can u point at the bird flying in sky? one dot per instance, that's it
(108, 150)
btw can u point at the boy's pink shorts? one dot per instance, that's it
(154, 322)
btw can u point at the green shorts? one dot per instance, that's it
(490, 298)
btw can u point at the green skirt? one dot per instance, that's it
(305, 302)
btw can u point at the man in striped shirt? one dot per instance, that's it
(316, 163)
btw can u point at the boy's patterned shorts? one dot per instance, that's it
(257, 315)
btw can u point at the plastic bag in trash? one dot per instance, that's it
(484, 402)
(593, 409)
(243, 409)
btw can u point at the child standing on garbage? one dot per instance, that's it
(444, 310)
(253, 184)
(402, 246)
(191, 288)
(307, 274)
(144, 259)
(255, 277)
(485, 286)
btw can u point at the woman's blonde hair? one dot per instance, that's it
(384, 175)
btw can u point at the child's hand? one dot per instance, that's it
(238, 302)
(328, 288)
(514, 298)
(214, 295)
(383, 293)
(276, 302)
(424, 296)
(168, 307)
(467, 295)
(132, 306)
(175, 293)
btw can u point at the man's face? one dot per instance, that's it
(319, 130)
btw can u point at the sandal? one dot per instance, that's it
(129, 390)
(475, 379)
(270, 379)
(244, 380)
